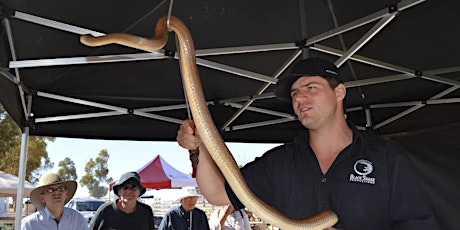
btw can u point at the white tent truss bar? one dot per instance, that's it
(9, 76)
(245, 49)
(414, 108)
(363, 40)
(259, 124)
(264, 87)
(82, 31)
(115, 110)
(260, 110)
(384, 16)
(77, 116)
(82, 102)
(235, 71)
(360, 22)
(86, 60)
(256, 97)
(362, 59)
(163, 108)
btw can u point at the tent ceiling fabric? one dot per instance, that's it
(398, 59)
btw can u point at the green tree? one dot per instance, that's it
(67, 170)
(96, 174)
(10, 148)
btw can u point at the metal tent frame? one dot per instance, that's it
(382, 17)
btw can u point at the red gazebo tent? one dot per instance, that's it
(158, 174)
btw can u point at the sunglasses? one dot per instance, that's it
(52, 190)
(132, 187)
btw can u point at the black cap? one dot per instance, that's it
(306, 67)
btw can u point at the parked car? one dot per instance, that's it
(86, 206)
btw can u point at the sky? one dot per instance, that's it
(132, 155)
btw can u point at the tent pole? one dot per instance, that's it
(22, 170)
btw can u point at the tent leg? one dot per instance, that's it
(21, 176)
(22, 171)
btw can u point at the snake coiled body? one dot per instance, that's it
(204, 124)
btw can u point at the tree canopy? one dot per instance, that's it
(96, 174)
(10, 148)
(67, 169)
(38, 160)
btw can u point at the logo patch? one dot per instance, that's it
(362, 169)
(331, 72)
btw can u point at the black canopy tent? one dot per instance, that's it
(398, 60)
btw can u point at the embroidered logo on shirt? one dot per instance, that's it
(362, 168)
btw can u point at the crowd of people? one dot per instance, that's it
(125, 212)
(369, 182)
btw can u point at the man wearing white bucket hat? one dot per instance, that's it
(49, 198)
(186, 216)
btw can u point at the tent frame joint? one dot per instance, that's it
(26, 90)
(302, 44)
(393, 8)
(30, 123)
(169, 53)
(6, 12)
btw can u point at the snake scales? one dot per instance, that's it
(204, 124)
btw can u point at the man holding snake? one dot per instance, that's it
(367, 181)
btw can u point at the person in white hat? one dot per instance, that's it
(186, 216)
(49, 198)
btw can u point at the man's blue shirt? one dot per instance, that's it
(44, 220)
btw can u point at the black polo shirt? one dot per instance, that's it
(370, 185)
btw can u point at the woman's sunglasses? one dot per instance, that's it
(132, 187)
